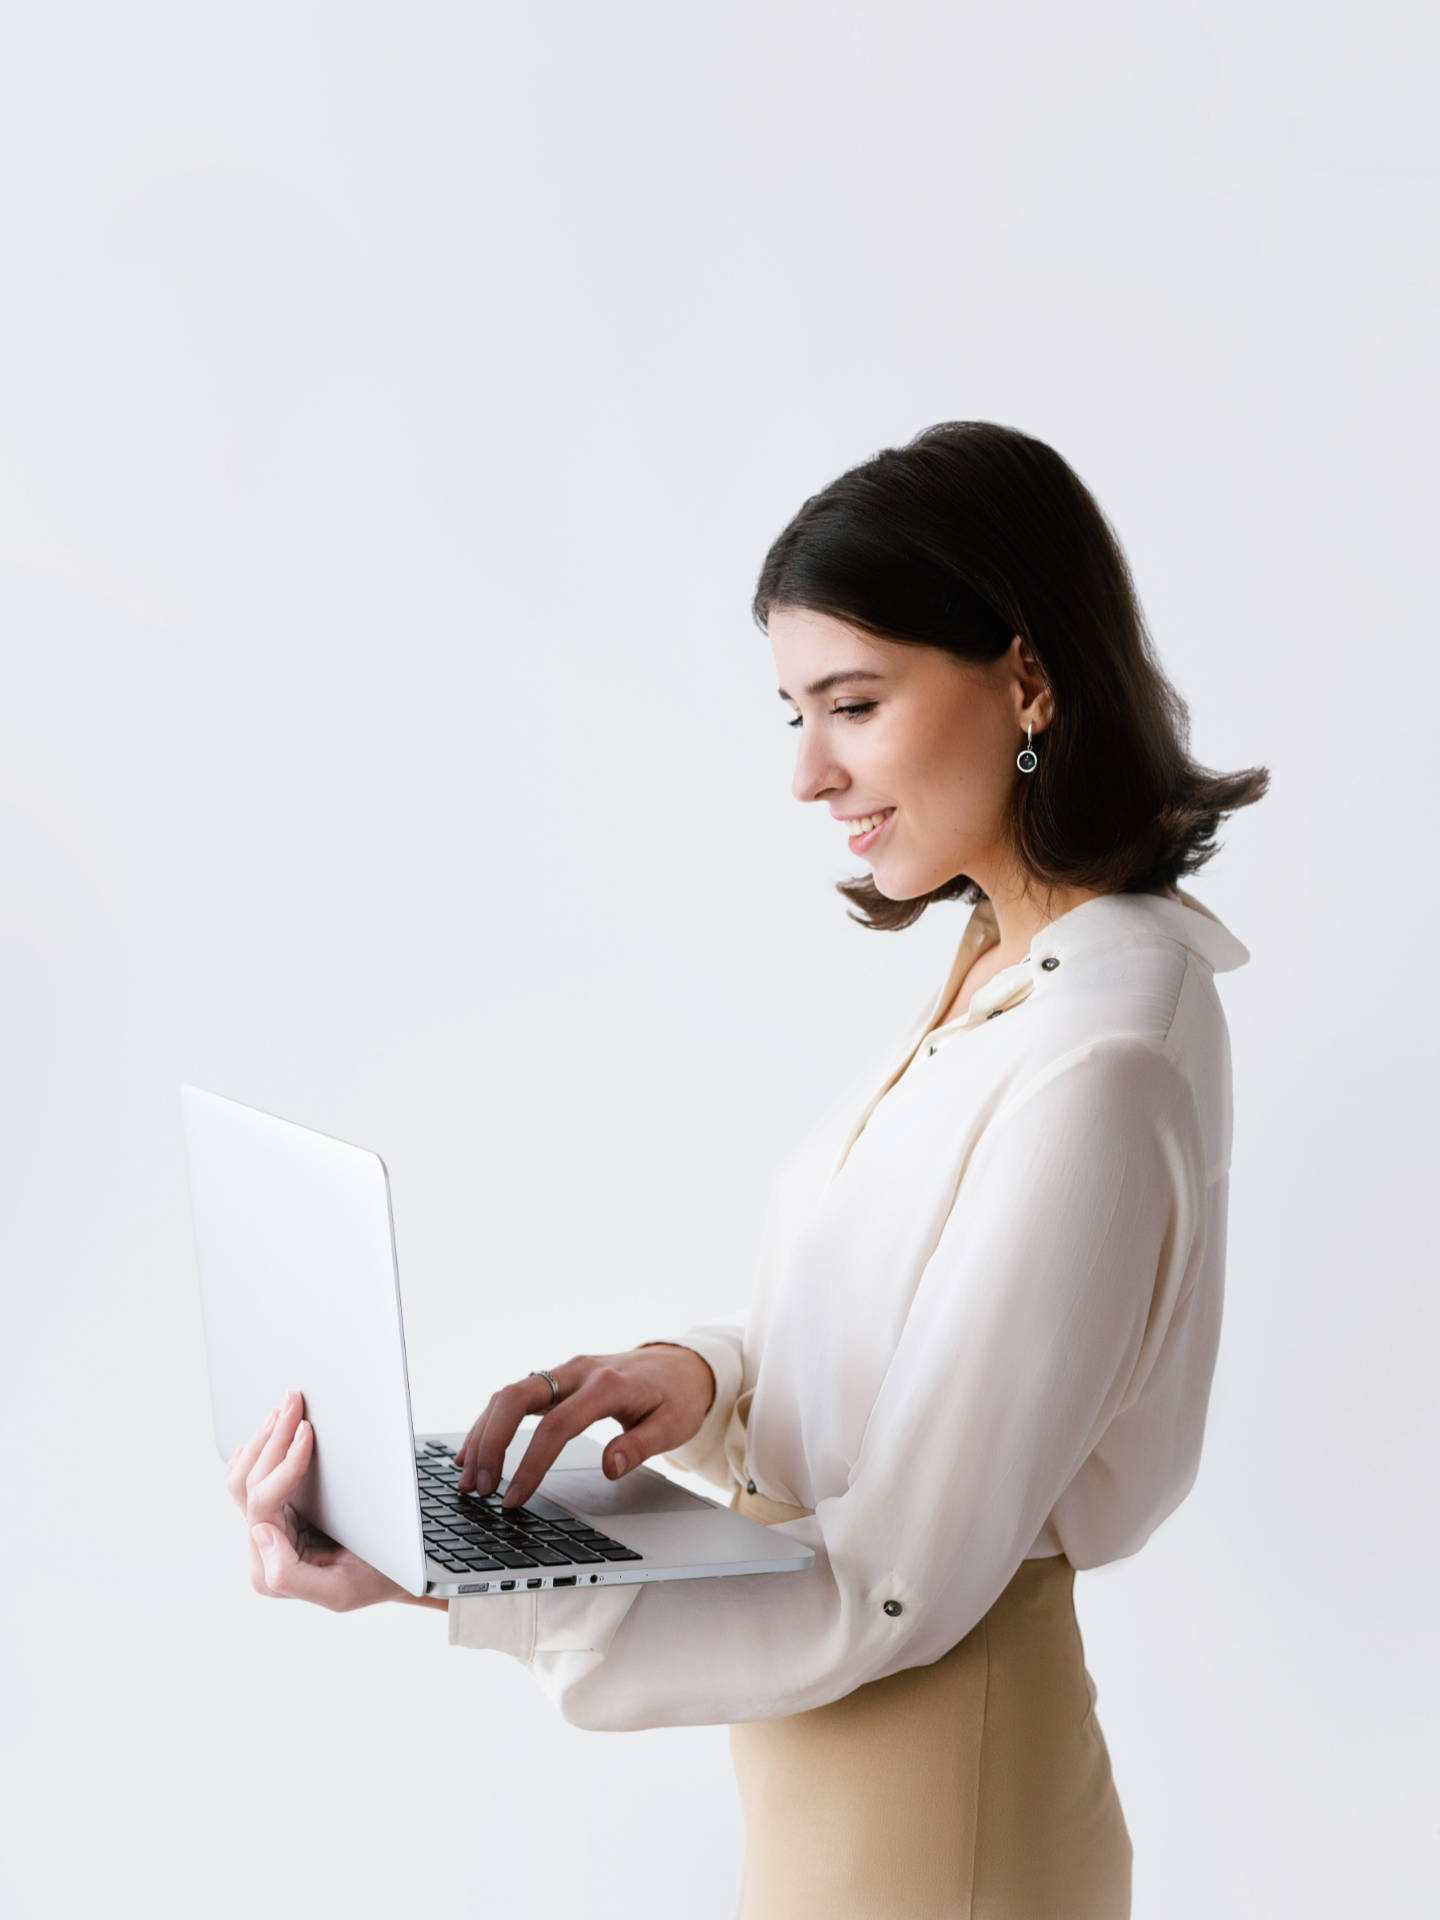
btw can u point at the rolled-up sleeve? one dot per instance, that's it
(1047, 1296)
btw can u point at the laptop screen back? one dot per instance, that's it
(295, 1246)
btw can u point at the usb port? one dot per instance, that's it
(563, 1580)
(506, 1586)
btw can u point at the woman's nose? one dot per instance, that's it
(815, 773)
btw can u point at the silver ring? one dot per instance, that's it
(554, 1383)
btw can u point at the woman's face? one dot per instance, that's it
(912, 733)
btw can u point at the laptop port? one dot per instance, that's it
(506, 1586)
(533, 1583)
(563, 1580)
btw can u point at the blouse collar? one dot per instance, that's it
(1109, 920)
(1136, 920)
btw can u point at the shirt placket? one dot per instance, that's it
(976, 1014)
(931, 1039)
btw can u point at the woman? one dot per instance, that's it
(980, 1348)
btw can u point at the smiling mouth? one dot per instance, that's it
(875, 825)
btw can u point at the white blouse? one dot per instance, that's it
(983, 1330)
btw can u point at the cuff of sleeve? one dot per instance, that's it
(726, 1364)
(495, 1623)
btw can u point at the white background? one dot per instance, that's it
(395, 407)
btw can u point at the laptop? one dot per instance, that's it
(300, 1287)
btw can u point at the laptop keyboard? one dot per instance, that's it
(468, 1534)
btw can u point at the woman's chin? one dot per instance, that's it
(897, 880)
(892, 883)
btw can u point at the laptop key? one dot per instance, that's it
(620, 1553)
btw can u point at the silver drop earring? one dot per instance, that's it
(1027, 759)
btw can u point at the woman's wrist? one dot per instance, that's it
(678, 1346)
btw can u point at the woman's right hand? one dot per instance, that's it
(659, 1393)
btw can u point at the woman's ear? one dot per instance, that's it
(1034, 688)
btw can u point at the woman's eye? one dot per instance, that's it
(860, 706)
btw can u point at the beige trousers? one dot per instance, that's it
(976, 1788)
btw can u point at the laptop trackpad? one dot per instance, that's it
(586, 1490)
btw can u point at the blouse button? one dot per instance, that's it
(892, 1607)
(1049, 963)
(749, 1486)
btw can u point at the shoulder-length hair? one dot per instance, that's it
(966, 536)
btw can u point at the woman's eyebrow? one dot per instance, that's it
(834, 680)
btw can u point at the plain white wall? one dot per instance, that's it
(395, 407)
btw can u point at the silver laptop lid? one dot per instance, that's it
(295, 1246)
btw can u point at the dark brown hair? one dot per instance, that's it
(963, 538)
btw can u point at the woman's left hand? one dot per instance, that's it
(289, 1558)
